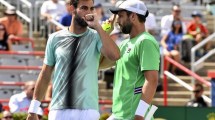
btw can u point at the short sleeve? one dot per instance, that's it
(50, 52)
(13, 104)
(149, 55)
(62, 20)
(20, 27)
(43, 8)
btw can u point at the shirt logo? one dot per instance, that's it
(129, 50)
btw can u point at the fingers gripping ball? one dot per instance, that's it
(106, 26)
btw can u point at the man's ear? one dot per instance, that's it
(72, 8)
(132, 16)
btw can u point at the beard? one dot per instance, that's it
(80, 21)
(126, 28)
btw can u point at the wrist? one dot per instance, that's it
(34, 106)
(142, 108)
(97, 27)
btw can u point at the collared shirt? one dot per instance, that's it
(76, 61)
(14, 28)
(56, 10)
(138, 54)
(166, 25)
(19, 103)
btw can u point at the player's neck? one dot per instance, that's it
(76, 29)
(136, 30)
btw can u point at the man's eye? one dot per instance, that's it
(84, 8)
(92, 8)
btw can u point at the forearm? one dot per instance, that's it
(45, 15)
(150, 86)
(148, 91)
(109, 48)
(192, 33)
(106, 63)
(163, 44)
(42, 84)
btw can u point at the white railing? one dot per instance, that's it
(187, 86)
(20, 14)
(194, 63)
(53, 26)
(56, 23)
(29, 12)
(37, 24)
(44, 24)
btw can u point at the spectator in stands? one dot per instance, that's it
(166, 21)
(7, 115)
(196, 28)
(198, 101)
(113, 2)
(100, 12)
(53, 9)
(65, 20)
(150, 24)
(20, 102)
(11, 23)
(4, 43)
(170, 42)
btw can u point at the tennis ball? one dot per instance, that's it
(106, 26)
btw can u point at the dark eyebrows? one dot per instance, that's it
(86, 7)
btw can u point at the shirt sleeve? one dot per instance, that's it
(62, 20)
(189, 28)
(13, 104)
(149, 55)
(204, 29)
(50, 52)
(43, 8)
(165, 25)
(20, 28)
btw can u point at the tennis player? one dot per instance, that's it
(73, 54)
(136, 73)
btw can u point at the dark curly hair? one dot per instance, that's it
(75, 2)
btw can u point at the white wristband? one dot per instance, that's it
(34, 106)
(142, 108)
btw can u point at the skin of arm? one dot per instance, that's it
(109, 48)
(47, 16)
(41, 87)
(106, 63)
(48, 95)
(149, 88)
(163, 41)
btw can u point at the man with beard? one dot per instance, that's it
(73, 54)
(136, 73)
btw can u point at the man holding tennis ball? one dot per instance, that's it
(136, 73)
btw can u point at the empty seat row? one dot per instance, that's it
(21, 62)
(14, 77)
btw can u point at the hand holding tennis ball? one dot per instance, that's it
(108, 25)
